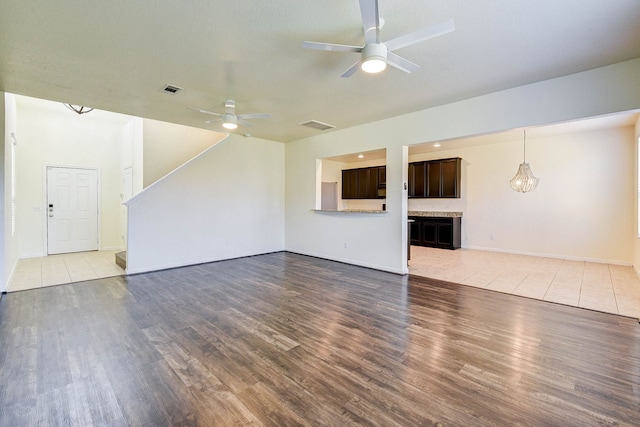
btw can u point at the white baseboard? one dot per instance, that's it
(111, 248)
(555, 256)
(5, 286)
(32, 255)
(352, 262)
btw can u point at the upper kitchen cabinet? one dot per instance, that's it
(417, 180)
(435, 178)
(450, 177)
(364, 183)
(349, 183)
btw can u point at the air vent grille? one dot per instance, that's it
(314, 124)
(171, 89)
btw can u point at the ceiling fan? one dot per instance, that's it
(376, 54)
(229, 118)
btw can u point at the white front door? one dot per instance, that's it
(72, 210)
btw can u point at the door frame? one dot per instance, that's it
(45, 213)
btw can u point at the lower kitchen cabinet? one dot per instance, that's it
(436, 232)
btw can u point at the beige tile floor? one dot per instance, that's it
(603, 287)
(65, 268)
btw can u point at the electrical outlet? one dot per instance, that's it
(346, 245)
(492, 236)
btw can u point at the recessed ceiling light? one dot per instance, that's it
(436, 145)
(361, 156)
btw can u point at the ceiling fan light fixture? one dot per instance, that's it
(374, 58)
(229, 121)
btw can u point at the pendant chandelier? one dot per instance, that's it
(524, 180)
(80, 109)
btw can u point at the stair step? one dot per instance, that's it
(121, 259)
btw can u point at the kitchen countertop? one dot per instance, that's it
(435, 214)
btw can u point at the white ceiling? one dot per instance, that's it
(117, 55)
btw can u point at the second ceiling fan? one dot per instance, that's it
(376, 54)
(229, 118)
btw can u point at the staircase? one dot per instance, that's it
(121, 259)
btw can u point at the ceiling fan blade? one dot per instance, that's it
(401, 63)
(331, 47)
(421, 35)
(370, 20)
(244, 123)
(253, 116)
(214, 120)
(351, 70)
(205, 111)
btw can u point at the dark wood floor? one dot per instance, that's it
(284, 339)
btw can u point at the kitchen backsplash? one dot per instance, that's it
(373, 204)
(439, 205)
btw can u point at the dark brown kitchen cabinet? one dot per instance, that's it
(450, 177)
(436, 232)
(415, 231)
(382, 175)
(435, 178)
(363, 183)
(349, 183)
(417, 180)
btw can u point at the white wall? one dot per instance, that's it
(167, 146)
(636, 200)
(379, 240)
(9, 258)
(228, 202)
(131, 147)
(50, 134)
(582, 207)
(361, 239)
(6, 129)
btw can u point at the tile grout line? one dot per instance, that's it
(613, 289)
(581, 284)
(550, 283)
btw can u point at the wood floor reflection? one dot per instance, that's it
(284, 339)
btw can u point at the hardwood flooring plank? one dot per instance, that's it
(284, 339)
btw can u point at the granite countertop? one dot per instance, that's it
(435, 214)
